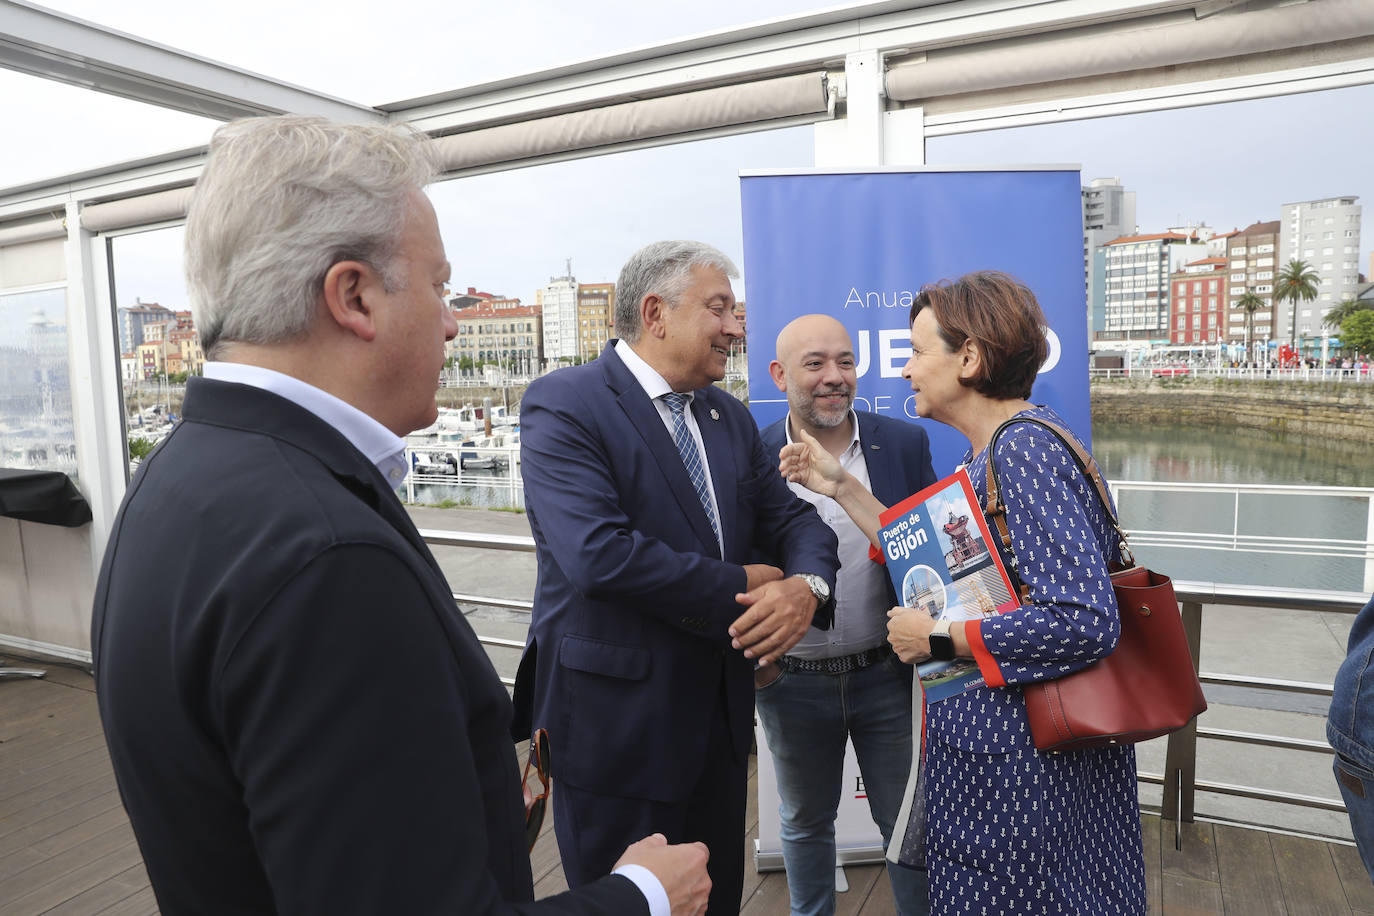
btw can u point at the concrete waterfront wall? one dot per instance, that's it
(1332, 410)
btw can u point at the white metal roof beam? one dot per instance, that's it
(776, 48)
(47, 44)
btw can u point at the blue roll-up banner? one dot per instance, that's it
(859, 245)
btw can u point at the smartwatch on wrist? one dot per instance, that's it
(941, 643)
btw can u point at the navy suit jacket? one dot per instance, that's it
(897, 454)
(628, 649)
(299, 718)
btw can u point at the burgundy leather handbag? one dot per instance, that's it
(1147, 686)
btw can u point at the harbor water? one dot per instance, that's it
(1158, 454)
(1181, 454)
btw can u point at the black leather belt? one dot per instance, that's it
(840, 664)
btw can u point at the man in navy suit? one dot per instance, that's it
(648, 492)
(299, 718)
(844, 683)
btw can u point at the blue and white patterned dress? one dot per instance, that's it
(1012, 830)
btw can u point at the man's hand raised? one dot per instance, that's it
(681, 869)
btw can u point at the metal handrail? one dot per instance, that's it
(1179, 779)
(1257, 373)
(1252, 488)
(1293, 599)
(443, 538)
(1341, 548)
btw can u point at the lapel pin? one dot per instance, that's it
(715, 414)
(875, 447)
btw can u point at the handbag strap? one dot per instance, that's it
(996, 509)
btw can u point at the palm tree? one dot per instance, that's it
(1252, 303)
(1297, 281)
(1343, 311)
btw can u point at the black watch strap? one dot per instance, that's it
(941, 643)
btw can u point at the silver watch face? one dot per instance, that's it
(817, 585)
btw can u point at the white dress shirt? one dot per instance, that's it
(655, 387)
(861, 600)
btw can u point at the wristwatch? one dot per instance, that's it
(818, 587)
(941, 643)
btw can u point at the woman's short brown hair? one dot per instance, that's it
(1002, 316)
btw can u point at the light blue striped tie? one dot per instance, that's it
(691, 455)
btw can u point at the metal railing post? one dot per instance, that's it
(1369, 539)
(1180, 756)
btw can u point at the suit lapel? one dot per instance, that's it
(881, 477)
(390, 508)
(255, 410)
(648, 424)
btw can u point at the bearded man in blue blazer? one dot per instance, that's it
(648, 493)
(299, 718)
(844, 683)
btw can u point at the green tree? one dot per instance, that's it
(139, 448)
(1296, 282)
(1336, 317)
(1252, 303)
(1357, 331)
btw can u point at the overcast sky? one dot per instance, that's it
(508, 233)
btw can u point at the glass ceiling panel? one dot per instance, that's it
(417, 47)
(52, 129)
(509, 232)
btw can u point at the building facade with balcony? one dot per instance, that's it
(595, 318)
(1133, 301)
(1198, 303)
(559, 302)
(131, 321)
(1108, 213)
(508, 335)
(1326, 235)
(1252, 264)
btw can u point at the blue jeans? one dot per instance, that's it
(1357, 788)
(806, 719)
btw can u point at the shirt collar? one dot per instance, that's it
(853, 422)
(378, 444)
(647, 376)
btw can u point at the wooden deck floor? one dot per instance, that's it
(66, 847)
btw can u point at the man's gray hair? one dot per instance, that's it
(280, 201)
(665, 269)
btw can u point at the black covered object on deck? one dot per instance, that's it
(49, 497)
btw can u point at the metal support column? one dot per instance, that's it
(96, 384)
(1180, 756)
(857, 138)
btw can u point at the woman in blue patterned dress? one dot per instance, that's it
(1010, 829)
